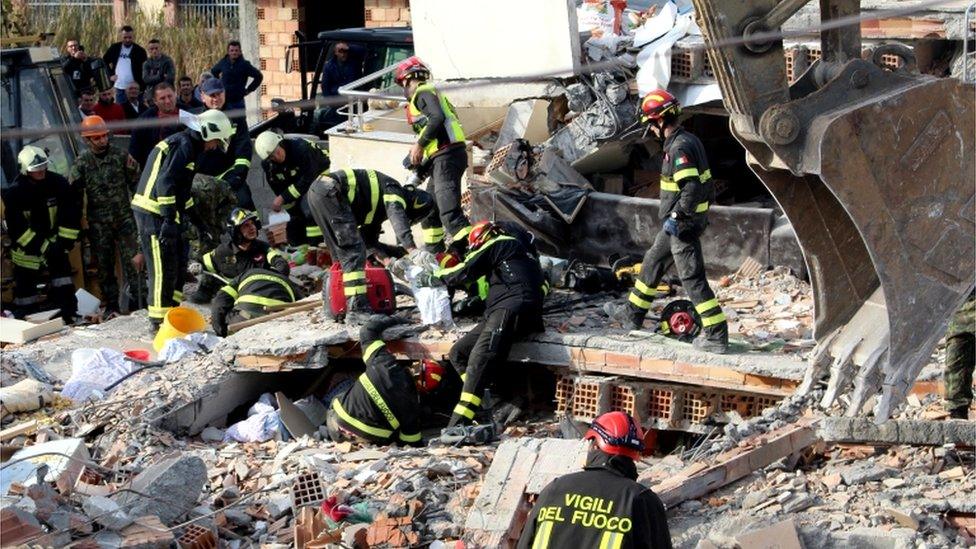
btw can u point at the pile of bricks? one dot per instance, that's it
(387, 13)
(655, 405)
(277, 23)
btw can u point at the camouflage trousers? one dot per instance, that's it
(111, 239)
(961, 356)
(213, 200)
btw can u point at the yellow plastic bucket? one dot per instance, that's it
(178, 322)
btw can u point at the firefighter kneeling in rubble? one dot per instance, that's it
(247, 296)
(686, 192)
(349, 206)
(513, 309)
(603, 505)
(382, 405)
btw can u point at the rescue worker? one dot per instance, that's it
(382, 405)
(349, 201)
(43, 214)
(163, 203)
(603, 506)
(232, 165)
(246, 296)
(513, 309)
(290, 165)
(439, 150)
(240, 253)
(686, 192)
(961, 360)
(106, 173)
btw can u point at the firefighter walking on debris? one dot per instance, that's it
(686, 193)
(603, 505)
(513, 309)
(163, 203)
(291, 165)
(382, 405)
(439, 150)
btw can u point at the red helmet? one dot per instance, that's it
(480, 233)
(657, 104)
(430, 376)
(411, 68)
(617, 434)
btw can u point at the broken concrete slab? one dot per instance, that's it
(524, 120)
(864, 471)
(781, 535)
(898, 432)
(172, 485)
(106, 512)
(65, 460)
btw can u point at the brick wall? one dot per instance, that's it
(277, 22)
(387, 13)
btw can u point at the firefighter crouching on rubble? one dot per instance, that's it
(513, 309)
(439, 150)
(382, 405)
(106, 174)
(242, 252)
(291, 164)
(246, 296)
(686, 192)
(603, 505)
(43, 214)
(163, 204)
(349, 205)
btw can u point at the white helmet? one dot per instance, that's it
(214, 125)
(32, 159)
(266, 143)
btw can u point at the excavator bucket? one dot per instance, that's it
(875, 170)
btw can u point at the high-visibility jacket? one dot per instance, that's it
(514, 276)
(39, 213)
(231, 166)
(434, 120)
(250, 292)
(167, 178)
(304, 162)
(375, 197)
(601, 507)
(686, 180)
(382, 406)
(228, 260)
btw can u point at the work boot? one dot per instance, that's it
(625, 314)
(716, 346)
(960, 412)
(464, 435)
(358, 311)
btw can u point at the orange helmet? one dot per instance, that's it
(93, 126)
(617, 434)
(411, 68)
(657, 104)
(480, 233)
(430, 376)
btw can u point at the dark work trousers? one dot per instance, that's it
(485, 348)
(243, 193)
(165, 263)
(61, 288)
(447, 218)
(302, 228)
(334, 216)
(686, 254)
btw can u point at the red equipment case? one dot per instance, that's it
(379, 290)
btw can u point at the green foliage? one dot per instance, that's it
(193, 44)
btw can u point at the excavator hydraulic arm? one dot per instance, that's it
(875, 170)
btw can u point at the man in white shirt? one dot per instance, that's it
(125, 60)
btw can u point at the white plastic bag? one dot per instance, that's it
(92, 370)
(434, 302)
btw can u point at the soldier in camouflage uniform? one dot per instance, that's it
(961, 360)
(213, 200)
(108, 174)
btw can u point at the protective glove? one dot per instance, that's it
(169, 230)
(422, 258)
(219, 324)
(426, 279)
(671, 226)
(55, 247)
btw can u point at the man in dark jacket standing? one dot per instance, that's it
(124, 60)
(144, 139)
(603, 505)
(158, 67)
(233, 70)
(231, 168)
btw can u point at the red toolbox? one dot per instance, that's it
(379, 290)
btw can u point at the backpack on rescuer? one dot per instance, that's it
(379, 290)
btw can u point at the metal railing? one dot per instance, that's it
(46, 10)
(356, 106)
(226, 13)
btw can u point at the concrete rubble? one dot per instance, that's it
(156, 465)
